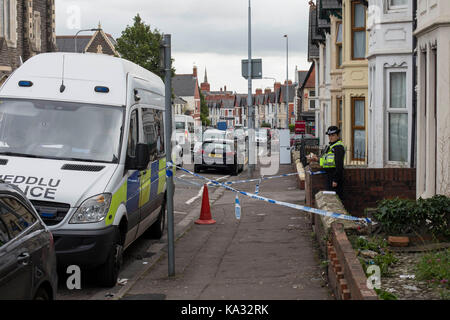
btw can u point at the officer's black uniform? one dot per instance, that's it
(336, 174)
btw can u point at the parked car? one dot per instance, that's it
(27, 253)
(299, 137)
(220, 154)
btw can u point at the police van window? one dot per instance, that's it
(190, 127)
(133, 135)
(153, 125)
(15, 216)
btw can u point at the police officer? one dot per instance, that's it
(332, 161)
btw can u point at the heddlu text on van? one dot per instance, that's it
(34, 186)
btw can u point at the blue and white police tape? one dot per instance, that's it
(315, 173)
(281, 203)
(237, 207)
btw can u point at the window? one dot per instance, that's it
(397, 118)
(14, 218)
(358, 128)
(133, 135)
(191, 127)
(339, 45)
(153, 125)
(312, 104)
(397, 4)
(358, 30)
(37, 30)
(8, 21)
(339, 112)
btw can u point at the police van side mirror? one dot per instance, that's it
(141, 159)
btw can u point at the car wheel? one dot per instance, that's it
(42, 295)
(109, 271)
(234, 169)
(156, 230)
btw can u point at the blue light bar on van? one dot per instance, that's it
(26, 84)
(102, 89)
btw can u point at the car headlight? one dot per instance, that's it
(93, 209)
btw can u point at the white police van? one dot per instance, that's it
(83, 136)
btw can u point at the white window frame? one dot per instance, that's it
(11, 39)
(389, 110)
(392, 7)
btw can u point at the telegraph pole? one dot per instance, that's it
(168, 141)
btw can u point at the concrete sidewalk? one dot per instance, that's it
(267, 255)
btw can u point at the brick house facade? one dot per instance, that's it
(27, 28)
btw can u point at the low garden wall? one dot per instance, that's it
(363, 187)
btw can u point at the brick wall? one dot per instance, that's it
(10, 56)
(364, 187)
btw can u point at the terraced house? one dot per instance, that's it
(27, 27)
(338, 47)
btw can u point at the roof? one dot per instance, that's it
(67, 43)
(179, 100)
(310, 81)
(302, 77)
(184, 85)
(313, 48)
(82, 73)
(291, 91)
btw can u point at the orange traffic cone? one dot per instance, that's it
(205, 213)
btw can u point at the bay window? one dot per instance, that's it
(358, 128)
(397, 118)
(358, 30)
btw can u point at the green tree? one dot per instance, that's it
(141, 45)
(204, 111)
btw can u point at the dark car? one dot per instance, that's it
(27, 253)
(219, 154)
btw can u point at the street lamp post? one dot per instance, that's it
(287, 82)
(83, 30)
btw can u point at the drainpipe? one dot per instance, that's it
(414, 93)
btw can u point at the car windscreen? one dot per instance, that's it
(60, 130)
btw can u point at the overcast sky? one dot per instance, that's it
(211, 34)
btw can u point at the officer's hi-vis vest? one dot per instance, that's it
(327, 160)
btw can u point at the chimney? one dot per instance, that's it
(268, 90)
(259, 91)
(194, 72)
(289, 82)
(220, 89)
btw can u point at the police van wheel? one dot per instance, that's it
(109, 271)
(156, 230)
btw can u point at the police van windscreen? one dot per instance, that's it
(60, 130)
(180, 126)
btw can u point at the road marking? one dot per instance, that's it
(200, 192)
